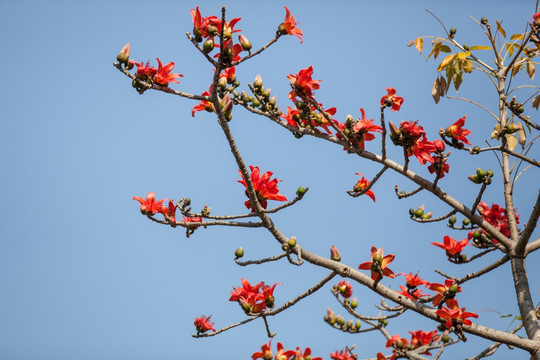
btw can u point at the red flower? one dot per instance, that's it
(203, 105)
(169, 212)
(302, 83)
(408, 292)
(342, 355)
(164, 75)
(345, 288)
(421, 338)
(149, 206)
(444, 290)
(362, 130)
(229, 74)
(496, 216)
(290, 116)
(144, 71)
(191, 219)
(361, 185)
(305, 356)
(378, 263)
(265, 352)
(265, 188)
(254, 299)
(536, 17)
(203, 324)
(413, 280)
(394, 340)
(439, 166)
(453, 248)
(457, 132)
(394, 101)
(422, 150)
(455, 315)
(284, 355)
(289, 26)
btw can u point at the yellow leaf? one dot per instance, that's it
(515, 69)
(517, 37)
(496, 132)
(436, 90)
(536, 102)
(463, 55)
(500, 28)
(418, 44)
(522, 137)
(511, 141)
(447, 60)
(467, 66)
(509, 48)
(530, 69)
(480, 47)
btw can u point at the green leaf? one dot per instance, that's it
(445, 49)
(500, 28)
(505, 316)
(517, 37)
(518, 317)
(458, 78)
(480, 47)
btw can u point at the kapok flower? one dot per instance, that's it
(378, 264)
(169, 212)
(164, 75)
(396, 341)
(448, 291)
(150, 206)
(282, 354)
(422, 150)
(203, 324)
(411, 293)
(254, 299)
(345, 288)
(303, 84)
(439, 166)
(453, 248)
(496, 216)
(204, 104)
(305, 356)
(191, 219)
(454, 315)
(342, 355)
(413, 281)
(362, 184)
(144, 71)
(292, 116)
(421, 338)
(265, 353)
(391, 100)
(457, 132)
(289, 26)
(265, 188)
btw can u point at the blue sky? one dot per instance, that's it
(83, 275)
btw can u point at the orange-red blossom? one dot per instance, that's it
(378, 264)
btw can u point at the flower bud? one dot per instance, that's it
(123, 55)
(340, 320)
(349, 324)
(244, 42)
(420, 211)
(439, 145)
(399, 344)
(453, 288)
(476, 149)
(475, 179)
(354, 303)
(484, 21)
(445, 338)
(292, 242)
(239, 252)
(334, 253)
(205, 211)
(257, 84)
(301, 191)
(452, 220)
(480, 172)
(186, 202)
(212, 30)
(489, 173)
(453, 30)
(466, 221)
(208, 45)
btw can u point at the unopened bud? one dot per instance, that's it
(205, 211)
(257, 84)
(484, 21)
(466, 221)
(292, 242)
(239, 252)
(354, 303)
(123, 55)
(208, 46)
(452, 220)
(334, 253)
(480, 172)
(399, 344)
(453, 30)
(301, 191)
(244, 42)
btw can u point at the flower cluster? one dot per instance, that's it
(496, 216)
(266, 353)
(343, 355)
(378, 264)
(412, 282)
(358, 131)
(254, 299)
(265, 187)
(150, 207)
(161, 76)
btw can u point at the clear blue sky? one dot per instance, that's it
(84, 276)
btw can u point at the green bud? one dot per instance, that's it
(480, 172)
(484, 21)
(349, 324)
(490, 173)
(412, 212)
(239, 252)
(466, 221)
(357, 325)
(452, 220)
(256, 103)
(454, 288)
(354, 303)
(292, 242)
(301, 191)
(453, 30)
(208, 46)
(399, 344)
(445, 338)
